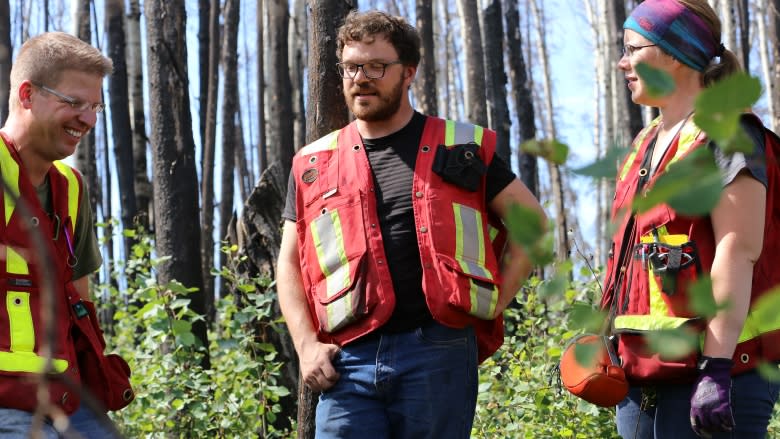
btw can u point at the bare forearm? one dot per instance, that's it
(738, 225)
(294, 306)
(516, 269)
(732, 274)
(516, 264)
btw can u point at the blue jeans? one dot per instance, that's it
(16, 424)
(418, 384)
(752, 401)
(91, 425)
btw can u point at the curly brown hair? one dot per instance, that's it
(359, 26)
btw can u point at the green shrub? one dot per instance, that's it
(520, 396)
(175, 397)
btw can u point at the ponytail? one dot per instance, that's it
(725, 67)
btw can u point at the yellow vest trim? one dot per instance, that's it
(688, 135)
(762, 317)
(15, 263)
(73, 191)
(648, 323)
(10, 172)
(640, 138)
(327, 142)
(22, 357)
(28, 362)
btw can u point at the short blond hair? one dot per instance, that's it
(43, 58)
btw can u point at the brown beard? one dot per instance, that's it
(388, 105)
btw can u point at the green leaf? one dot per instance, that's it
(673, 344)
(701, 299)
(739, 142)
(186, 339)
(181, 327)
(657, 82)
(180, 303)
(584, 316)
(606, 166)
(691, 186)
(586, 353)
(553, 287)
(719, 106)
(524, 225)
(542, 254)
(766, 308)
(769, 371)
(550, 150)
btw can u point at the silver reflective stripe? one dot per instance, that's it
(470, 242)
(464, 133)
(340, 312)
(470, 254)
(458, 133)
(329, 243)
(483, 303)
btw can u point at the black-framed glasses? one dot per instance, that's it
(76, 104)
(371, 70)
(629, 49)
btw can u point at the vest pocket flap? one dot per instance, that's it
(474, 287)
(342, 300)
(469, 268)
(341, 280)
(336, 250)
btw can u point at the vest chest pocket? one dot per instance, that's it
(337, 250)
(673, 264)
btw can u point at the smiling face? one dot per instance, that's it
(55, 127)
(375, 100)
(641, 50)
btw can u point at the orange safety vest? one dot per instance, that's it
(343, 264)
(22, 329)
(648, 301)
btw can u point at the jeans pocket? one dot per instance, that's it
(438, 334)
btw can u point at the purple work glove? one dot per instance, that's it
(711, 399)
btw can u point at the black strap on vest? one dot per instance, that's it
(628, 233)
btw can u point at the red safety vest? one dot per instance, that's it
(648, 301)
(343, 263)
(22, 330)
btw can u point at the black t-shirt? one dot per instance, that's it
(731, 165)
(392, 159)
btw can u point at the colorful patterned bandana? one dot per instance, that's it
(675, 29)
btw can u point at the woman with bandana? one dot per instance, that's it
(717, 390)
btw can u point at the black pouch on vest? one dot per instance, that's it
(460, 165)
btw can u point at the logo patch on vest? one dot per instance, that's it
(310, 175)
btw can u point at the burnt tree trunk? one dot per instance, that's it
(121, 131)
(177, 234)
(523, 101)
(496, 78)
(425, 83)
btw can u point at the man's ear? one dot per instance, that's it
(410, 72)
(25, 93)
